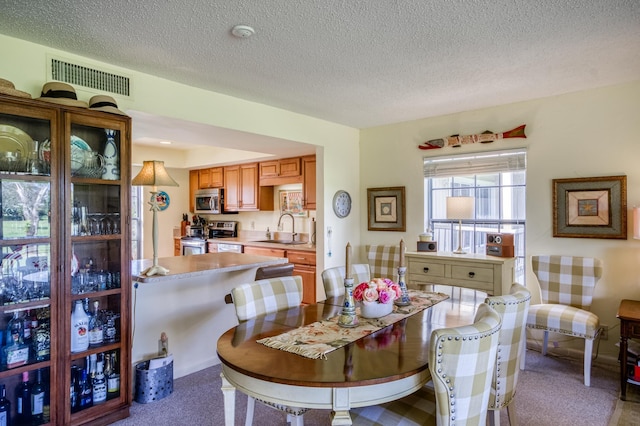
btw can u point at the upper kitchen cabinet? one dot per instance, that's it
(211, 178)
(280, 172)
(242, 191)
(309, 182)
(194, 179)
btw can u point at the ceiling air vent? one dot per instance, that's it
(90, 77)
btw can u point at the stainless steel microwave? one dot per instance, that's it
(208, 201)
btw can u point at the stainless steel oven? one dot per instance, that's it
(192, 245)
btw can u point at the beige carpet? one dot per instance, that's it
(550, 392)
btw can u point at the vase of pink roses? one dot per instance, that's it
(376, 297)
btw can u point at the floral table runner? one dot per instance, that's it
(316, 340)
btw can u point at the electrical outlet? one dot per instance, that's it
(604, 332)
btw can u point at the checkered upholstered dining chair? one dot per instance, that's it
(461, 361)
(383, 261)
(513, 309)
(333, 278)
(264, 297)
(566, 291)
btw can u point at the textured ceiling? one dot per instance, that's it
(357, 62)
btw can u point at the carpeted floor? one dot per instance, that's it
(550, 392)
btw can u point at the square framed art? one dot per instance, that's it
(590, 207)
(386, 209)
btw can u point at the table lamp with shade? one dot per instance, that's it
(460, 208)
(153, 174)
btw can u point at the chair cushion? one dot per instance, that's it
(563, 319)
(513, 310)
(333, 278)
(266, 296)
(383, 261)
(419, 408)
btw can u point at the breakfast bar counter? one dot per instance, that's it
(188, 305)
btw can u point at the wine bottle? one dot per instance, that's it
(113, 378)
(99, 384)
(23, 400)
(74, 389)
(5, 407)
(16, 353)
(85, 395)
(79, 328)
(96, 334)
(37, 400)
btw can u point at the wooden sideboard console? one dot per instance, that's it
(490, 274)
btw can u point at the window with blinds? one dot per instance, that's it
(497, 181)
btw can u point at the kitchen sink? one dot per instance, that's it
(287, 242)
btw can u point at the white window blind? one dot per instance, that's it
(475, 164)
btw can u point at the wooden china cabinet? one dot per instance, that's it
(65, 237)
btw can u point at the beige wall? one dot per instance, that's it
(590, 133)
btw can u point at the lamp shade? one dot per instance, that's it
(460, 208)
(153, 173)
(636, 223)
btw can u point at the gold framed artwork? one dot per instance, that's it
(386, 209)
(291, 202)
(590, 207)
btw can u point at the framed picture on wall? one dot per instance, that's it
(291, 202)
(386, 209)
(590, 207)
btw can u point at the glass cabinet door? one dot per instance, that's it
(99, 257)
(28, 249)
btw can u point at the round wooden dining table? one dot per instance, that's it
(383, 366)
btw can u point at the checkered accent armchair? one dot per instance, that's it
(383, 261)
(333, 278)
(265, 297)
(461, 361)
(513, 309)
(566, 290)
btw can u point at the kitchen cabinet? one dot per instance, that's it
(194, 179)
(212, 247)
(176, 247)
(309, 182)
(491, 274)
(264, 251)
(211, 178)
(242, 192)
(304, 264)
(280, 172)
(64, 237)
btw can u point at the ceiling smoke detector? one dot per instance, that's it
(243, 31)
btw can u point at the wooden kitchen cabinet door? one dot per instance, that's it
(309, 182)
(232, 188)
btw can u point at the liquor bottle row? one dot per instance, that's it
(92, 327)
(26, 338)
(32, 401)
(95, 382)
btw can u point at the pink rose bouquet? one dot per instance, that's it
(378, 290)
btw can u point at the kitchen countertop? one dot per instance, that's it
(252, 242)
(201, 264)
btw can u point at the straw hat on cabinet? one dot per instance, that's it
(61, 93)
(8, 88)
(104, 103)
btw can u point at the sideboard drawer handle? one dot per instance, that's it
(425, 270)
(472, 274)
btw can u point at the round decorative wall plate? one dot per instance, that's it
(342, 203)
(163, 200)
